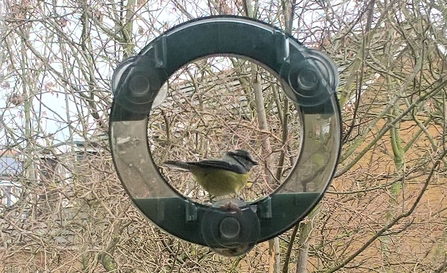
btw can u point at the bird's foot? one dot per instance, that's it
(231, 206)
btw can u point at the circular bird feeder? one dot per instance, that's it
(308, 78)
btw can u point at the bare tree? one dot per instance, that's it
(385, 211)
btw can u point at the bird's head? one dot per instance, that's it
(244, 158)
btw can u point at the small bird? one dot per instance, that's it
(220, 177)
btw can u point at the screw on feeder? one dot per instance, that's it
(139, 85)
(307, 79)
(229, 228)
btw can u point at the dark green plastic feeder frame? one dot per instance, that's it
(309, 79)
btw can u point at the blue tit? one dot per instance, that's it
(220, 177)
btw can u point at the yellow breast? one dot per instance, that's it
(220, 182)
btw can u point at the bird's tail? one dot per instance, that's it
(177, 164)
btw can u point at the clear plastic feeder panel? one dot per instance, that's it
(138, 172)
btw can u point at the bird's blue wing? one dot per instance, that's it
(219, 164)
